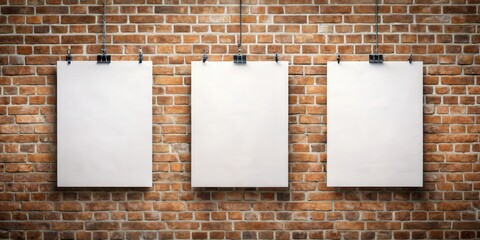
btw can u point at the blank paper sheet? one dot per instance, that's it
(240, 124)
(104, 124)
(375, 126)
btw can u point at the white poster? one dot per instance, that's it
(375, 124)
(240, 124)
(104, 124)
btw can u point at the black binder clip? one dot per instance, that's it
(276, 57)
(239, 58)
(140, 55)
(375, 58)
(338, 58)
(104, 58)
(69, 56)
(410, 59)
(205, 57)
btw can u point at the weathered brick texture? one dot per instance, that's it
(445, 35)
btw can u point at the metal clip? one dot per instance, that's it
(239, 58)
(276, 57)
(338, 58)
(140, 55)
(410, 59)
(103, 58)
(69, 56)
(242, 59)
(205, 57)
(375, 58)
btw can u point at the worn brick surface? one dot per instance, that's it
(445, 35)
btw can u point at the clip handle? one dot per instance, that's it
(204, 57)
(69, 56)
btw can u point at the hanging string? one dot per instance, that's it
(376, 24)
(240, 39)
(104, 49)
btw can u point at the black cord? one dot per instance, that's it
(376, 24)
(104, 49)
(240, 40)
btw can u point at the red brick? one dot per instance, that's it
(258, 225)
(222, 226)
(309, 38)
(79, 19)
(202, 206)
(207, 10)
(51, 10)
(308, 225)
(41, 157)
(466, 225)
(143, 226)
(168, 206)
(384, 225)
(324, 19)
(37, 206)
(267, 206)
(129, 39)
(22, 110)
(398, 19)
(19, 138)
(17, 70)
(453, 206)
(19, 168)
(183, 225)
(234, 206)
(397, 206)
(426, 9)
(171, 9)
(444, 70)
(426, 225)
(450, 138)
(41, 60)
(472, 70)
(308, 206)
(100, 206)
(102, 226)
(9, 206)
(335, 9)
(146, 19)
(357, 206)
(42, 39)
(458, 80)
(6, 39)
(459, 9)
(17, 10)
(290, 19)
(68, 206)
(136, 206)
(300, 9)
(349, 226)
(164, 39)
(29, 119)
(79, 39)
(67, 226)
(24, 225)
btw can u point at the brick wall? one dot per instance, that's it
(444, 34)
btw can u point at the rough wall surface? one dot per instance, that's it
(444, 34)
